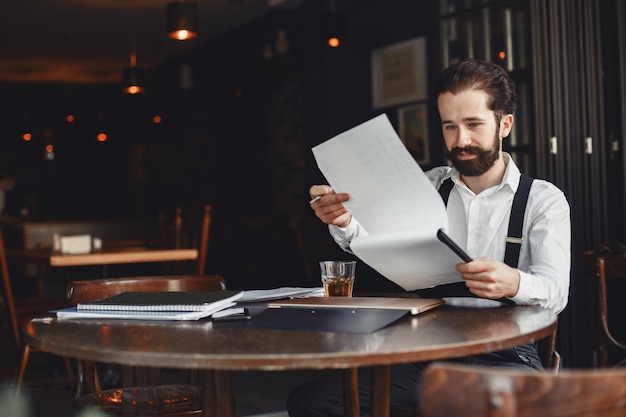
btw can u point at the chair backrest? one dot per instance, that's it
(473, 391)
(7, 302)
(188, 230)
(97, 289)
(92, 290)
(606, 270)
(550, 357)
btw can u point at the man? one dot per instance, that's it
(476, 101)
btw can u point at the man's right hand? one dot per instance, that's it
(329, 208)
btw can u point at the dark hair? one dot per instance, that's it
(480, 75)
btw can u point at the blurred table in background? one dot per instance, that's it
(106, 256)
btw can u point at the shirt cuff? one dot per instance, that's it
(344, 235)
(524, 292)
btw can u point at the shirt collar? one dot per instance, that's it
(511, 175)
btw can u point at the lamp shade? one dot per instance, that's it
(133, 80)
(182, 20)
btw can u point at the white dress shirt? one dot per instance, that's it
(479, 223)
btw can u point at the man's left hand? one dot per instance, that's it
(487, 278)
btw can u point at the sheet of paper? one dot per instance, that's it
(280, 293)
(393, 200)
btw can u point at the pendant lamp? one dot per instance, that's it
(182, 20)
(133, 77)
(333, 27)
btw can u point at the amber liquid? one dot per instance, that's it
(338, 287)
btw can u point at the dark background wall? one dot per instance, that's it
(236, 132)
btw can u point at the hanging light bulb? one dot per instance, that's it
(133, 77)
(182, 20)
(333, 27)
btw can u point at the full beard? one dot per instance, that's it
(485, 159)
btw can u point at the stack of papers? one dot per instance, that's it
(280, 293)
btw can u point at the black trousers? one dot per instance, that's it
(323, 397)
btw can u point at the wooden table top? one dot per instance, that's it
(107, 256)
(444, 332)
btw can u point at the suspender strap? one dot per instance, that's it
(444, 190)
(513, 240)
(514, 237)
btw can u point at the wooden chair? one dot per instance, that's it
(550, 359)
(141, 393)
(187, 230)
(452, 390)
(606, 269)
(18, 311)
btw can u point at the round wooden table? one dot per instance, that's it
(445, 332)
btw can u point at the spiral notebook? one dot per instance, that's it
(164, 301)
(73, 313)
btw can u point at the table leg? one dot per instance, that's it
(381, 385)
(224, 387)
(217, 391)
(41, 275)
(351, 393)
(209, 399)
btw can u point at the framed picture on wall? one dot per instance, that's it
(414, 131)
(399, 73)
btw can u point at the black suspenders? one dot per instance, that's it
(514, 237)
(516, 222)
(513, 240)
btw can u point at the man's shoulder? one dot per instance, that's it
(546, 194)
(437, 174)
(544, 185)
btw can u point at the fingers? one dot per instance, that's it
(328, 206)
(320, 190)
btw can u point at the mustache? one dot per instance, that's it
(472, 150)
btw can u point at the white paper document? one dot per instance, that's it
(280, 293)
(394, 201)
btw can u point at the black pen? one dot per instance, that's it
(233, 314)
(442, 236)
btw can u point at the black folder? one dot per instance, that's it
(335, 320)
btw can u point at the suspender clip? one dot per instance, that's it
(516, 240)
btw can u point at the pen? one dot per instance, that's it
(320, 196)
(234, 314)
(442, 236)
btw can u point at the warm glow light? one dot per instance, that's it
(102, 137)
(27, 137)
(183, 35)
(133, 78)
(333, 42)
(182, 20)
(69, 118)
(157, 119)
(133, 89)
(502, 55)
(49, 148)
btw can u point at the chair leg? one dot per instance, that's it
(68, 367)
(22, 368)
(351, 392)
